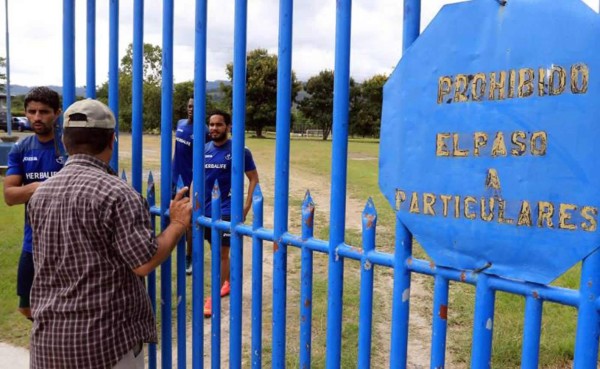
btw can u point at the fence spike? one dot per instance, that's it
(179, 183)
(307, 200)
(123, 175)
(216, 191)
(369, 215)
(257, 193)
(151, 191)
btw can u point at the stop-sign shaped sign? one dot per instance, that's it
(490, 137)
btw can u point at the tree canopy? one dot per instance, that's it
(261, 89)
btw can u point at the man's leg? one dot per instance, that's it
(24, 282)
(225, 265)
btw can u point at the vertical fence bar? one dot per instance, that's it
(588, 321)
(401, 296)
(257, 274)
(181, 298)
(137, 92)
(90, 90)
(150, 197)
(113, 74)
(306, 282)
(7, 65)
(483, 324)
(215, 281)
(237, 181)
(282, 154)
(68, 53)
(412, 22)
(531, 333)
(440, 322)
(200, 43)
(369, 223)
(165, 171)
(337, 221)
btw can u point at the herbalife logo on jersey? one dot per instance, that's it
(228, 157)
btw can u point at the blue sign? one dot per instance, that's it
(489, 137)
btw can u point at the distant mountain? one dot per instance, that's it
(16, 90)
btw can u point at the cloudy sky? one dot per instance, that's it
(36, 36)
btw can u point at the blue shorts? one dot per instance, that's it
(25, 278)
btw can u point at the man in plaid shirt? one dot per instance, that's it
(93, 246)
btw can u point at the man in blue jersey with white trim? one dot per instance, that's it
(32, 160)
(183, 159)
(217, 166)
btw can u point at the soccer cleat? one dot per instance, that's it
(225, 289)
(207, 308)
(188, 265)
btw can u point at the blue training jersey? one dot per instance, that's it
(184, 153)
(217, 166)
(34, 161)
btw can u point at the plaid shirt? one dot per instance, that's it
(90, 230)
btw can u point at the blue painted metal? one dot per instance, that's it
(113, 74)
(401, 302)
(165, 174)
(306, 281)
(531, 332)
(137, 94)
(440, 322)
(151, 198)
(181, 297)
(588, 320)
(282, 154)
(237, 180)
(7, 66)
(215, 281)
(200, 45)
(257, 275)
(412, 22)
(483, 324)
(90, 86)
(337, 220)
(68, 53)
(367, 271)
(418, 114)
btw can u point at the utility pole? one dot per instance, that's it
(8, 102)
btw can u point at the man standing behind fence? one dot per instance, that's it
(217, 166)
(93, 243)
(32, 160)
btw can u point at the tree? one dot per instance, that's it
(152, 65)
(318, 105)
(261, 89)
(367, 100)
(181, 94)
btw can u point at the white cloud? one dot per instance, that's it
(36, 36)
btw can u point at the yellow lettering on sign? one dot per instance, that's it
(469, 200)
(497, 86)
(461, 85)
(525, 215)
(498, 147)
(414, 203)
(400, 198)
(445, 200)
(557, 80)
(457, 151)
(545, 212)
(441, 149)
(580, 76)
(428, 203)
(518, 140)
(480, 139)
(478, 86)
(444, 88)
(487, 215)
(564, 215)
(539, 142)
(590, 214)
(525, 82)
(492, 180)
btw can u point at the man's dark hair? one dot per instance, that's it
(43, 95)
(91, 141)
(224, 114)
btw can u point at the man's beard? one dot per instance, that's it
(42, 129)
(220, 138)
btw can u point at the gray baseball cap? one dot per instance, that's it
(89, 113)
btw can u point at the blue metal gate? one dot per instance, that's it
(402, 261)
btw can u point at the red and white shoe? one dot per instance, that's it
(207, 307)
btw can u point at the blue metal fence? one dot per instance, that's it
(402, 261)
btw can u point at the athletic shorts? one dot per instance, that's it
(25, 278)
(225, 240)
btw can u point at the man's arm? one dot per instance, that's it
(14, 191)
(253, 179)
(181, 215)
